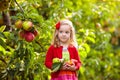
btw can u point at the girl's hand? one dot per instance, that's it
(71, 67)
(67, 66)
(64, 66)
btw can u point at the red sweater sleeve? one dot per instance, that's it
(48, 59)
(77, 58)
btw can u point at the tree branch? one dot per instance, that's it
(19, 6)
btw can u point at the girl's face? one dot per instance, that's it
(64, 33)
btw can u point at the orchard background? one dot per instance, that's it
(97, 24)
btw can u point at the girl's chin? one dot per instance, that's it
(63, 41)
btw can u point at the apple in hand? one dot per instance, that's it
(18, 24)
(27, 25)
(29, 36)
(55, 60)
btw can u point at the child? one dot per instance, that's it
(64, 47)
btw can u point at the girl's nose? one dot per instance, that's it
(63, 33)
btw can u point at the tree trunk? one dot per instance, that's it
(7, 21)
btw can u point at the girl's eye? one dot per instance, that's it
(60, 31)
(67, 32)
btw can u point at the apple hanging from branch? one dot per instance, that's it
(27, 31)
(35, 32)
(27, 25)
(22, 34)
(29, 36)
(18, 24)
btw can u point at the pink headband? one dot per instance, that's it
(57, 25)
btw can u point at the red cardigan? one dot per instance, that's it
(56, 52)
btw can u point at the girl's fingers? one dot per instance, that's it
(72, 68)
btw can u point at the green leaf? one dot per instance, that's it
(91, 39)
(2, 49)
(7, 34)
(82, 70)
(2, 28)
(2, 35)
(56, 66)
(87, 47)
(2, 43)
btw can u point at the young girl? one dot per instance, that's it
(64, 47)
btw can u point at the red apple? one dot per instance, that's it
(29, 36)
(27, 25)
(22, 34)
(35, 32)
(18, 24)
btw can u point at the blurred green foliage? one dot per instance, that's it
(97, 31)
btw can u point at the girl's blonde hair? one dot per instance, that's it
(56, 41)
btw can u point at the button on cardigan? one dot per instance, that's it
(56, 52)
